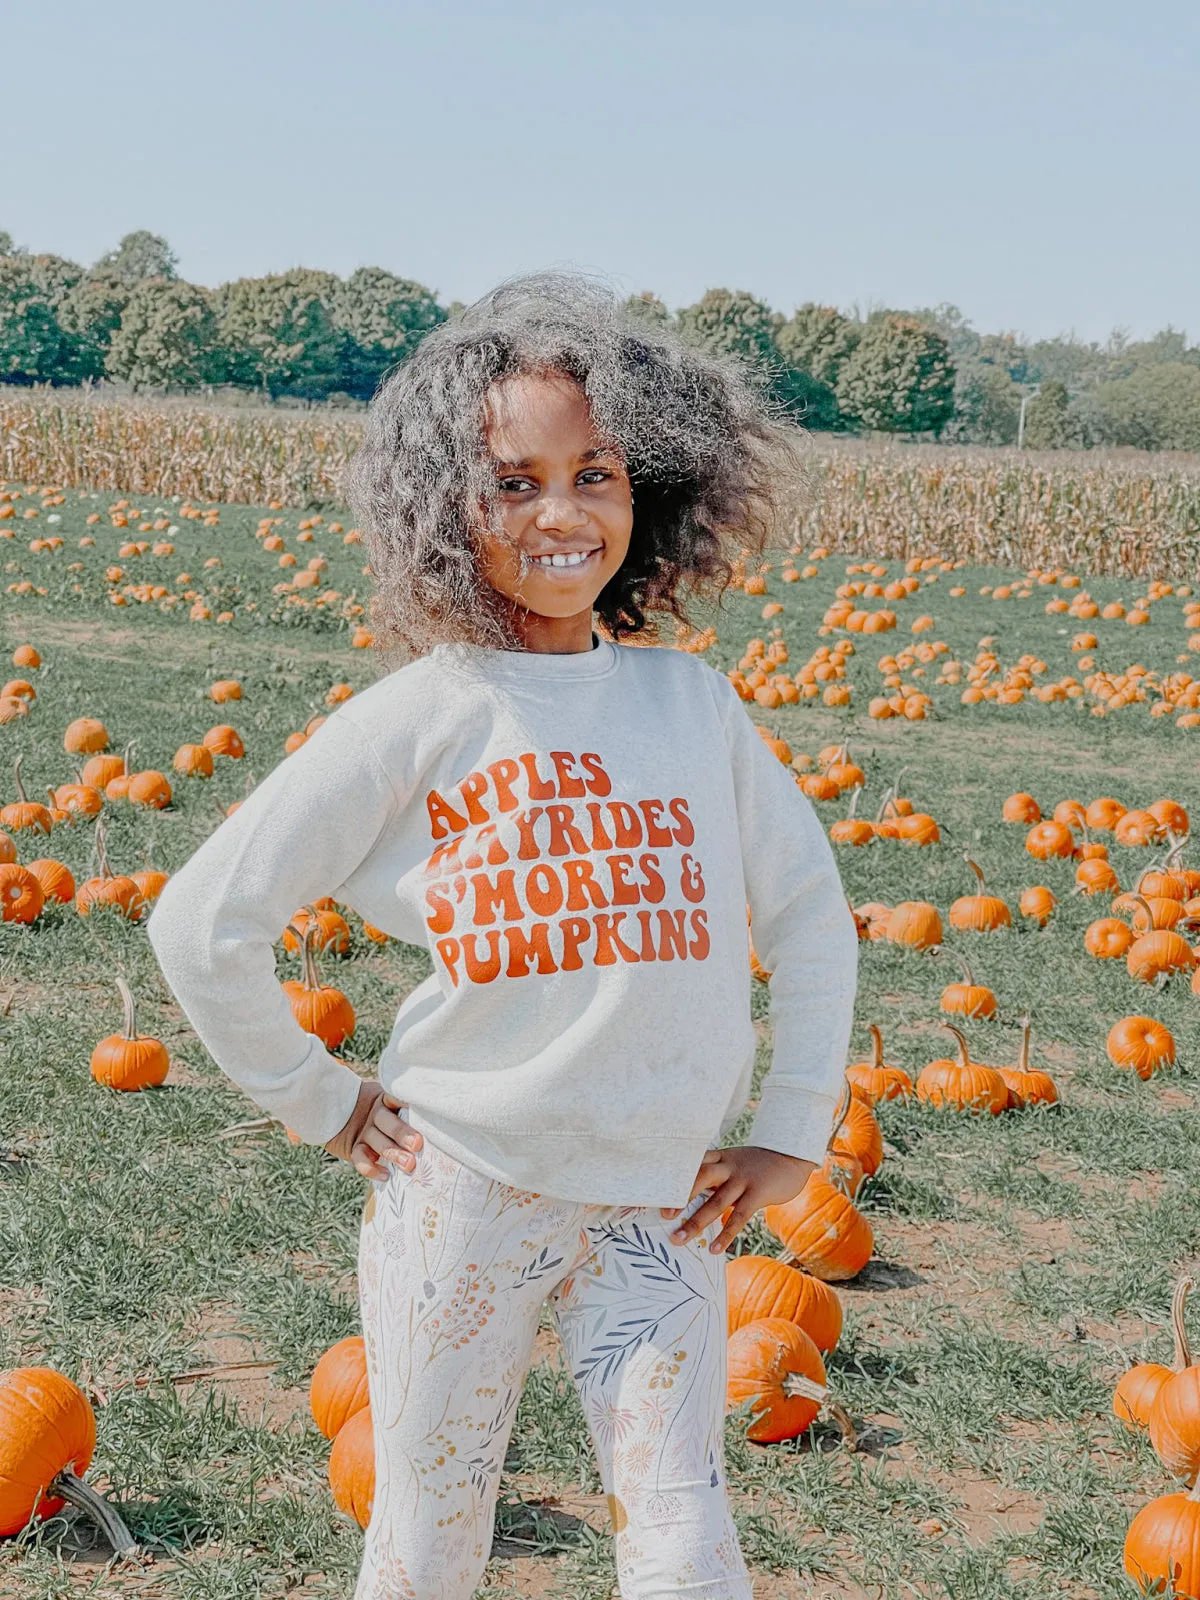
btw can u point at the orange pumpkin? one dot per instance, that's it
(776, 1366)
(1175, 1412)
(1162, 1547)
(85, 736)
(149, 788)
(982, 912)
(109, 888)
(318, 1008)
(1021, 807)
(1048, 839)
(856, 1130)
(331, 931)
(968, 998)
(24, 813)
(915, 923)
(1038, 904)
(47, 1439)
(1136, 1391)
(55, 878)
(1028, 1086)
(1108, 939)
(874, 1079)
(824, 1230)
(1140, 1044)
(339, 1385)
(352, 1467)
(129, 1060)
(762, 1286)
(21, 893)
(964, 1084)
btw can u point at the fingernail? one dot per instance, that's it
(679, 1237)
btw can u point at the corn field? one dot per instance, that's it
(1129, 515)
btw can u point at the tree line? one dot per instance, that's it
(306, 336)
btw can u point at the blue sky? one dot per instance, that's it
(1037, 164)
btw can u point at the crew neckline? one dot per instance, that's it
(597, 662)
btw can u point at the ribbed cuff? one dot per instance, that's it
(317, 1098)
(796, 1122)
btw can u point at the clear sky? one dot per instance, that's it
(1036, 162)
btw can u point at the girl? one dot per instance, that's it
(574, 827)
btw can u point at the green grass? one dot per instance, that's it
(1019, 1261)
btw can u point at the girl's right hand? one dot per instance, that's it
(375, 1137)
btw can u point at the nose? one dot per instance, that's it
(559, 513)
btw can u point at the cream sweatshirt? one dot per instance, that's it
(575, 838)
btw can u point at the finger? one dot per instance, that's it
(363, 1161)
(399, 1131)
(727, 1195)
(734, 1223)
(712, 1174)
(378, 1143)
(669, 1212)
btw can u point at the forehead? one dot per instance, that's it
(531, 416)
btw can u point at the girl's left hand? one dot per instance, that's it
(745, 1178)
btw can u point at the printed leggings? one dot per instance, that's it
(453, 1271)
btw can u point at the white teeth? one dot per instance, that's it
(574, 559)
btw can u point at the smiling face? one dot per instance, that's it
(564, 506)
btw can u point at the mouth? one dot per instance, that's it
(564, 560)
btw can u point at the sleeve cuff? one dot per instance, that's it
(795, 1122)
(316, 1098)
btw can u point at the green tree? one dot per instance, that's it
(167, 336)
(987, 405)
(647, 307)
(819, 340)
(731, 322)
(34, 345)
(900, 379)
(1047, 418)
(278, 334)
(1157, 407)
(91, 313)
(7, 246)
(141, 255)
(384, 319)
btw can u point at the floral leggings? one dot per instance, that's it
(454, 1268)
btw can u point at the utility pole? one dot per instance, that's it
(1025, 399)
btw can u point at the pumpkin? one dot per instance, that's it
(225, 689)
(339, 1385)
(875, 914)
(1159, 952)
(844, 772)
(55, 878)
(8, 850)
(1162, 1547)
(982, 912)
(874, 1079)
(101, 769)
(1070, 812)
(842, 1168)
(1175, 1412)
(824, 1231)
(150, 882)
(1021, 807)
(1108, 939)
(775, 1365)
(1140, 1044)
(85, 736)
(225, 741)
(1028, 1086)
(762, 1286)
(352, 1467)
(1138, 1388)
(968, 998)
(129, 1060)
(1171, 817)
(1162, 883)
(852, 829)
(318, 1008)
(915, 923)
(964, 1084)
(78, 799)
(23, 812)
(1095, 875)
(149, 788)
(47, 1439)
(1048, 839)
(1103, 815)
(109, 888)
(856, 1130)
(193, 761)
(919, 828)
(1038, 904)
(1137, 828)
(331, 931)
(21, 894)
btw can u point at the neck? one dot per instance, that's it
(554, 636)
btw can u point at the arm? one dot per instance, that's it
(299, 835)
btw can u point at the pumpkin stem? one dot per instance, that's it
(853, 802)
(17, 780)
(978, 871)
(964, 1060)
(1023, 1058)
(126, 993)
(797, 1384)
(1183, 1350)
(101, 853)
(963, 964)
(876, 1045)
(127, 755)
(308, 957)
(841, 1417)
(66, 1486)
(1140, 900)
(888, 799)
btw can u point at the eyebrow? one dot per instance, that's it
(525, 463)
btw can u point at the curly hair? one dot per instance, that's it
(710, 463)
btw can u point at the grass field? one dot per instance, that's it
(189, 1280)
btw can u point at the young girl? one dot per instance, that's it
(575, 828)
